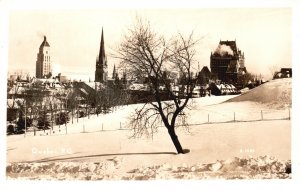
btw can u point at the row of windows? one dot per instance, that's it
(46, 66)
(46, 70)
(47, 58)
(220, 63)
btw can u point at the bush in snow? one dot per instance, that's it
(62, 118)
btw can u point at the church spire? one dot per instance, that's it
(102, 50)
(101, 63)
(114, 72)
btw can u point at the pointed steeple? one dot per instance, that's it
(101, 63)
(114, 72)
(102, 49)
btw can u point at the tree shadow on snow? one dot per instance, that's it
(103, 155)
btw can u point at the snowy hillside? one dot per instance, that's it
(276, 94)
(240, 138)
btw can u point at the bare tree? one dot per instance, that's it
(273, 69)
(13, 99)
(146, 54)
(245, 79)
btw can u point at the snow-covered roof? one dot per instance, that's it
(84, 91)
(17, 90)
(175, 88)
(197, 88)
(232, 86)
(51, 80)
(244, 90)
(14, 103)
(57, 85)
(141, 87)
(162, 87)
(91, 84)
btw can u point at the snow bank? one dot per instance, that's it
(99, 147)
(263, 167)
(276, 94)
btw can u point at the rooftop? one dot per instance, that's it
(45, 43)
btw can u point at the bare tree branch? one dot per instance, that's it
(144, 53)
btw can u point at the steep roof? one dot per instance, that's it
(102, 50)
(231, 44)
(205, 71)
(45, 43)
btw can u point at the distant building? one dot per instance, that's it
(43, 62)
(283, 73)
(222, 89)
(227, 62)
(62, 78)
(204, 76)
(101, 63)
(287, 72)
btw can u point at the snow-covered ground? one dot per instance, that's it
(244, 138)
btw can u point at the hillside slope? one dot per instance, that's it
(275, 94)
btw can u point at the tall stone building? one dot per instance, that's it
(101, 63)
(227, 62)
(43, 62)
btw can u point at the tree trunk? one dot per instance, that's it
(175, 140)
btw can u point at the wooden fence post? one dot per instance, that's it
(234, 116)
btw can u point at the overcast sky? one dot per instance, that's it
(264, 35)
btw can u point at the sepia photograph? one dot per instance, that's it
(149, 94)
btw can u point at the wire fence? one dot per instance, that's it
(111, 122)
(246, 116)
